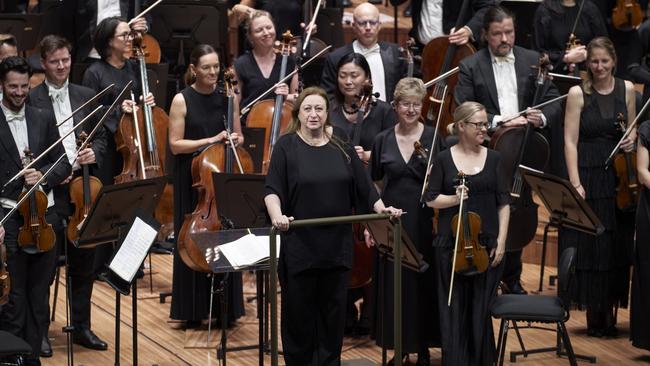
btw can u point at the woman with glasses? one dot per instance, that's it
(465, 325)
(398, 170)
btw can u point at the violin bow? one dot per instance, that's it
(538, 106)
(425, 183)
(629, 129)
(441, 77)
(136, 138)
(311, 25)
(145, 11)
(453, 262)
(106, 89)
(234, 151)
(575, 23)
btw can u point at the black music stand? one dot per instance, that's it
(114, 210)
(382, 232)
(25, 27)
(254, 144)
(564, 82)
(566, 207)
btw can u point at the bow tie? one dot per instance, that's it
(14, 117)
(58, 94)
(369, 51)
(508, 59)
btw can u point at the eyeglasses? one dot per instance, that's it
(125, 36)
(409, 105)
(479, 125)
(366, 23)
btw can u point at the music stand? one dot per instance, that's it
(254, 143)
(113, 211)
(566, 207)
(25, 27)
(564, 82)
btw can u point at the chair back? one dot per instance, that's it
(565, 273)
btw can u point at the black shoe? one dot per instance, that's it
(46, 347)
(595, 332)
(610, 331)
(423, 359)
(405, 360)
(513, 288)
(88, 339)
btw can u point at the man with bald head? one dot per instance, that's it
(386, 66)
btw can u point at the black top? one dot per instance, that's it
(380, 117)
(249, 73)
(487, 191)
(307, 178)
(552, 30)
(101, 74)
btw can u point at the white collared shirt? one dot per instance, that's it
(505, 78)
(430, 21)
(105, 9)
(60, 98)
(18, 126)
(373, 56)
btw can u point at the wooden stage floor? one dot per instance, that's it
(159, 344)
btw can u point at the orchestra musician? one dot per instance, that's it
(56, 93)
(26, 127)
(384, 58)
(499, 77)
(398, 170)
(196, 120)
(308, 167)
(590, 134)
(639, 319)
(466, 324)
(8, 47)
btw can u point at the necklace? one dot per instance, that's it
(354, 109)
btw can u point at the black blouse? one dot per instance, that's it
(380, 117)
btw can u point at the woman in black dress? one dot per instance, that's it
(398, 169)
(554, 20)
(196, 121)
(352, 72)
(313, 174)
(259, 69)
(465, 325)
(639, 317)
(590, 134)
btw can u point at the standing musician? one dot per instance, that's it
(640, 303)
(590, 134)
(196, 120)
(25, 127)
(8, 47)
(465, 324)
(259, 69)
(554, 23)
(499, 77)
(56, 93)
(384, 58)
(308, 168)
(113, 39)
(398, 170)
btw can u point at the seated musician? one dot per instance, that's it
(25, 127)
(384, 58)
(500, 77)
(56, 93)
(466, 324)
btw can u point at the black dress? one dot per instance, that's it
(639, 317)
(380, 117)
(315, 261)
(552, 30)
(402, 182)
(602, 262)
(249, 73)
(190, 289)
(466, 326)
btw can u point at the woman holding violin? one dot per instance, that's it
(562, 29)
(309, 167)
(640, 303)
(259, 69)
(590, 134)
(465, 323)
(196, 120)
(398, 166)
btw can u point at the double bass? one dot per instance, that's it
(216, 158)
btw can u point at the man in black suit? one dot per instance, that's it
(26, 127)
(501, 78)
(386, 65)
(62, 97)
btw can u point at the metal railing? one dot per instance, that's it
(397, 268)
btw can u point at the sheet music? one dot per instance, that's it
(133, 250)
(248, 250)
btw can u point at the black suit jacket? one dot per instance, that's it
(394, 67)
(476, 83)
(39, 97)
(41, 132)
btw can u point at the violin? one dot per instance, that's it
(438, 57)
(83, 191)
(627, 14)
(216, 158)
(470, 256)
(628, 188)
(36, 235)
(5, 280)
(273, 115)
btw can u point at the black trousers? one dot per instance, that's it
(512, 268)
(313, 316)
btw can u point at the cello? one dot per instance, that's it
(626, 15)
(216, 158)
(141, 138)
(273, 115)
(438, 57)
